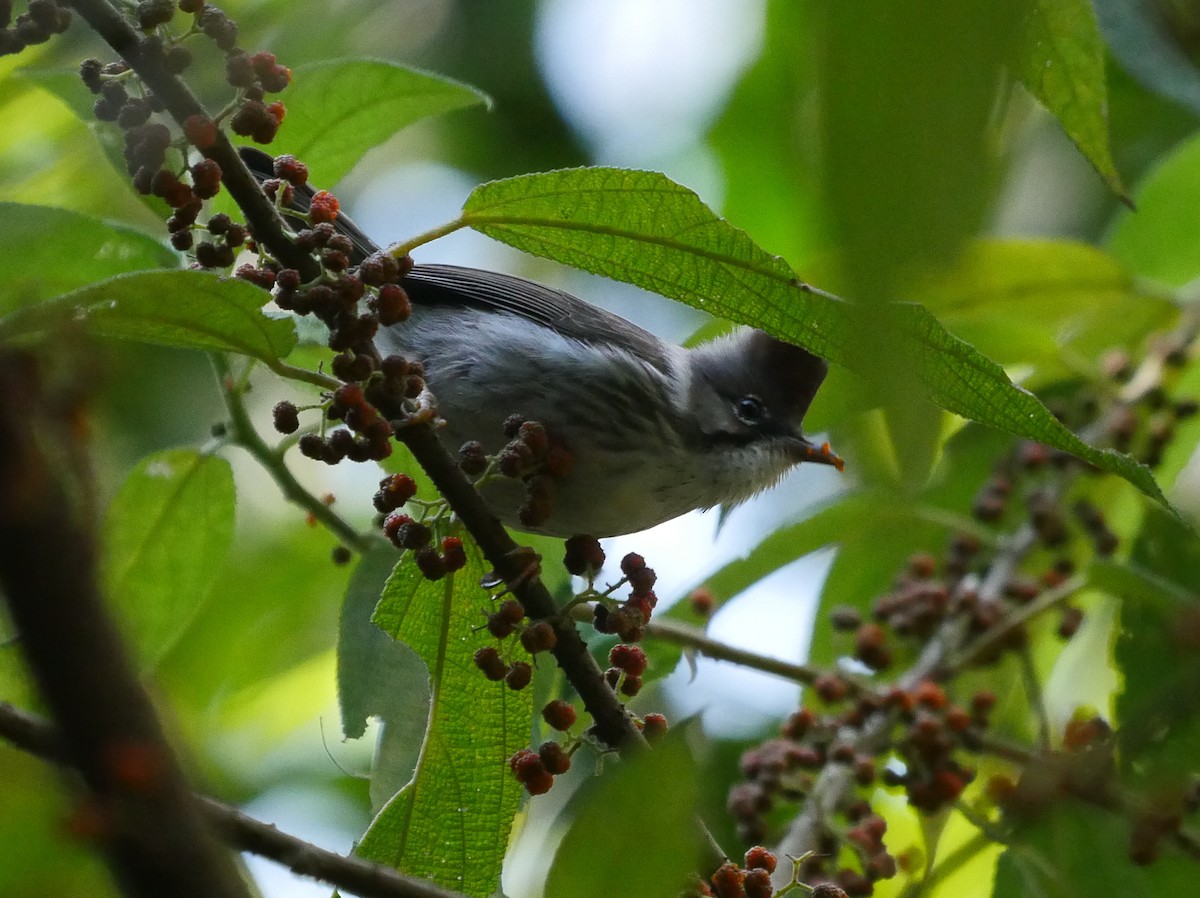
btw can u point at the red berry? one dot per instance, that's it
(654, 727)
(559, 714)
(488, 660)
(454, 554)
(555, 758)
(583, 556)
(539, 637)
(518, 676)
(629, 658)
(759, 858)
(431, 565)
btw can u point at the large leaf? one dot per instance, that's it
(166, 536)
(1062, 64)
(451, 823)
(655, 792)
(1161, 239)
(34, 265)
(189, 309)
(337, 110)
(1138, 36)
(643, 228)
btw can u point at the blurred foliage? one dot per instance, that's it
(873, 146)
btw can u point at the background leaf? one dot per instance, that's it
(1062, 63)
(657, 790)
(1161, 238)
(166, 536)
(380, 677)
(337, 110)
(34, 267)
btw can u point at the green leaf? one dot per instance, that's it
(451, 823)
(337, 110)
(1024, 301)
(1161, 240)
(656, 793)
(34, 266)
(643, 228)
(1062, 64)
(166, 536)
(380, 677)
(1141, 42)
(1073, 850)
(1158, 709)
(188, 309)
(907, 181)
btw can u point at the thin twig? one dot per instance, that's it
(243, 433)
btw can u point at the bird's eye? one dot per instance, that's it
(750, 410)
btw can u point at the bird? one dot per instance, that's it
(654, 430)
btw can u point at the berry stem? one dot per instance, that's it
(243, 433)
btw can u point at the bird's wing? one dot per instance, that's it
(452, 284)
(545, 306)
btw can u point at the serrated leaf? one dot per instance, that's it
(1062, 64)
(188, 309)
(1139, 39)
(451, 823)
(658, 790)
(643, 228)
(34, 267)
(166, 536)
(1161, 240)
(339, 109)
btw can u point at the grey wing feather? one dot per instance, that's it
(554, 309)
(453, 284)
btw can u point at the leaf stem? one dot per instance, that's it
(400, 250)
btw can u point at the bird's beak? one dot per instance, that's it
(823, 454)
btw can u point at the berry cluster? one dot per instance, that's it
(157, 160)
(41, 20)
(626, 619)
(535, 636)
(535, 770)
(532, 456)
(928, 732)
(1086, 767)
(751, 880)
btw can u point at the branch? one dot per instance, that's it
(153, 835)
(696, 639)
(351, 874)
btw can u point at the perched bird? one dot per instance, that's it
(654, 430)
